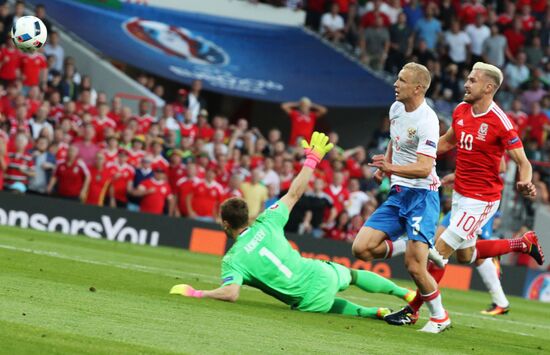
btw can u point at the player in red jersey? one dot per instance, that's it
(481, 132)
(100, 183)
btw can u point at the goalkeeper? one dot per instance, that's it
(261, 257)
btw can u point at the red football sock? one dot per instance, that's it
(389, 249)
(491, 248)
(417, 302)
(437, 273)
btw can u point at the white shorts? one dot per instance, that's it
(468, 216)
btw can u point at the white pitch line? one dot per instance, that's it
(160, 271)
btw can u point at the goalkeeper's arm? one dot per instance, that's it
(228, 293)
(315, 151)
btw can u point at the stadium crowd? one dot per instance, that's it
(59, 136)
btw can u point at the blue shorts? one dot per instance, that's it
(486, 231)
(408, 210)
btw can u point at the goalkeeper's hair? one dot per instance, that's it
(235, 212)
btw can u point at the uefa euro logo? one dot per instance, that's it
(175, 41)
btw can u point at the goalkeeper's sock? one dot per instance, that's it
(347, 308)
(373, 283)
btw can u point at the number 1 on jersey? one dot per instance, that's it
(276, 261)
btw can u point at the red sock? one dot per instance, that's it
(417, 302)
(491, 248)
(437, 273)
(389, 250)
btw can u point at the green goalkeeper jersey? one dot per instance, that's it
(262, 257)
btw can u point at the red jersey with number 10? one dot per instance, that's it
(481, 142)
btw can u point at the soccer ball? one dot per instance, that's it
(29, 34)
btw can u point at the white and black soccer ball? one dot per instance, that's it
(29, 33)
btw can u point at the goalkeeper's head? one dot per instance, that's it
(234, 215)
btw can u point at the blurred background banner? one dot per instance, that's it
(234, 57)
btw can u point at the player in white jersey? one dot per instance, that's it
(412, 207)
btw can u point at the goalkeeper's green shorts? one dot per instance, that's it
(330, 278)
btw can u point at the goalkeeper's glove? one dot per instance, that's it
(186, 290)
(316, 149)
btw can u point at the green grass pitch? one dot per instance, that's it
(73, 295)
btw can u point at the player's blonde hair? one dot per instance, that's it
(421, 76)
(491, 71)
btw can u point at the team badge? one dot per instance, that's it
(411, 132)
(482, 132)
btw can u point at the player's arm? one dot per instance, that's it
(379, 174)
(446, 142)
(525, 172)
(420, 169)
(228, 293)
(315, 151)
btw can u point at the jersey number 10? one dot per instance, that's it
(276, 261)
(466, 141)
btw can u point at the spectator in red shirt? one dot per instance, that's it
(10, 61)
(136, 153)
(115, 111)
(527, 20)
(369, 19)
(154, 193)
(144, 119)
(538, 125)
(184, 187)
(338, 230)
(111, 149)
(515, 38)
(187, 127)
(84, 104)
(506, 18)
(303, 116)
(518, 117)
(102, 121)
(205, 131)
(176, 170)
(205, 198)
(123, 178)
(71, 177)
(159, 162)
(20, 165)
(100, 183)
(233, 187)
(337, 191)
(470, 10)
(3, 161)
(34, 69)
(87, 148)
